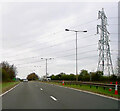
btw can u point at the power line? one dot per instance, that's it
(54, 52)
(30, 62)
(51, 40)
(74, 54)
(87, 57)
(51, 46)
(26, 43)
(82, 58)
(85, 23)
(29, 42)
(114, 33)
(113, 17)
(62, 56)
(113, 24)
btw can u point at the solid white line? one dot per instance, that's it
(41, 89)
(53, 98)
(95, 94)
(9, 90)
(89, 92)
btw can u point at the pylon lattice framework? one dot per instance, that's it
(105, 61)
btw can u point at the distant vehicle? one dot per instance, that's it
(45, 79)
(25, 80)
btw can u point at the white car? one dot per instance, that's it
(25, 80)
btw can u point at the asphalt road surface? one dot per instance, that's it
(36, 95)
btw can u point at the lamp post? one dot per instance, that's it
(46, 59)
(76, 31)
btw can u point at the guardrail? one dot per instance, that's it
(97, 85)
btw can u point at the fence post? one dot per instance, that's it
(96, 87)
(90, 86)
(104, 87)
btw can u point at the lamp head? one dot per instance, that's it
(66, 29)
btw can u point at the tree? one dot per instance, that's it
(72, 77)
(32, 76)
(5, 76)
(113, 78)
(9, 72)
(96, 76)
(52, 77)
(84, 75)
(63, 76)
(84, 72)
(12, 72)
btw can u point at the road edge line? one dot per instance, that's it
(95, 94)
(88, 92)
(9, 90)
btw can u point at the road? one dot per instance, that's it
(36, 95)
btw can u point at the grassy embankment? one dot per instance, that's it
(100, 90)
(6, 86)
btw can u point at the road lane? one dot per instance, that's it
(28, 95)
(78, 100)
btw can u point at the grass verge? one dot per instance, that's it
(100, 90)
(6, 86)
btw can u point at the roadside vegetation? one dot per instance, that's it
(32, 77)
(84, 75)
(99, 90)
(8, 74)
(7, 85)
(96, 77)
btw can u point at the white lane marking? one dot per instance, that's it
(41, 89)
(9, 90)
(88, 92)
(95, 94)
(53, 98)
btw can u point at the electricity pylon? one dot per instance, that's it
(105, 61)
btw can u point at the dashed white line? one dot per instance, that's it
(87, 92)
(41, 89)
(53, 98)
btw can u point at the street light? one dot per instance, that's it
(76, 49)
(66, 29)
(46, 64)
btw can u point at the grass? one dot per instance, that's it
(100, 90)
(6, 86)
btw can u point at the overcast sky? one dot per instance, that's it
(35, 30)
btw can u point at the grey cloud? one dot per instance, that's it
(32, 29)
